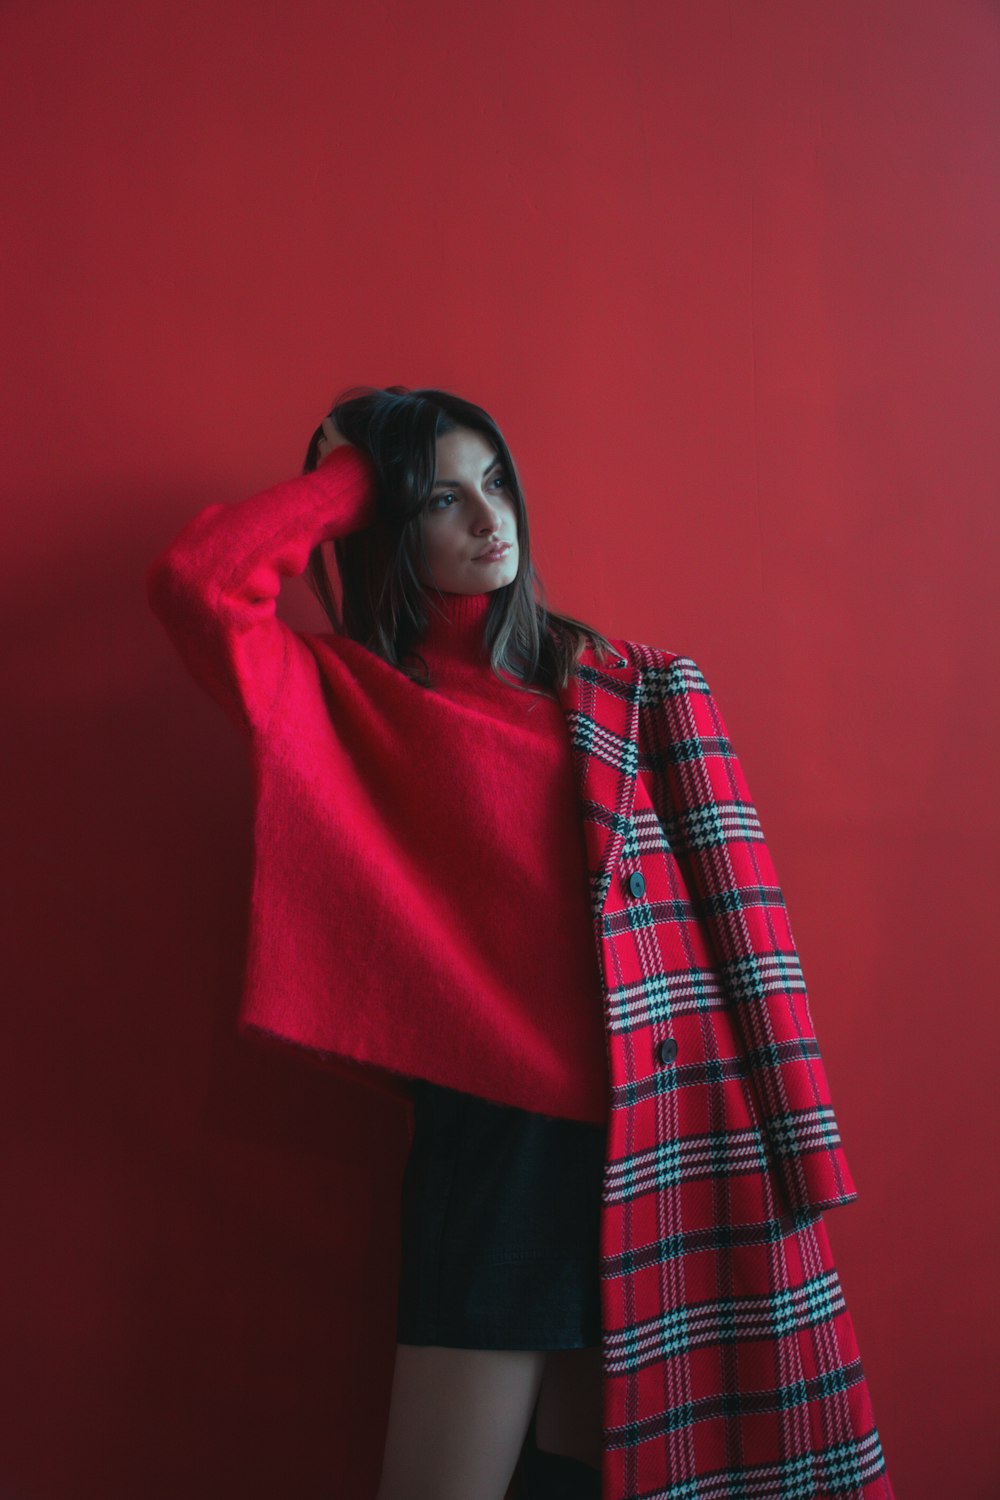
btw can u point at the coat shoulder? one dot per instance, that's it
(662, 674)
(649, 658)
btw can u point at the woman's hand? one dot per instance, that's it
(332, 438)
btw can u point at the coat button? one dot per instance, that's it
(637, 883)
(666, 1050)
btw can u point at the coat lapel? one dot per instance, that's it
(601, 705)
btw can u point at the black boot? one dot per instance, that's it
(555, 1476)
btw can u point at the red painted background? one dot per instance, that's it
(726, 274)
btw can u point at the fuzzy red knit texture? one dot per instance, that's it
(420, 904)
(521, 831)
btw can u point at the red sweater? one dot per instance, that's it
(420, 898)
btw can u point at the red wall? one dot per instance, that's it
(726, 274)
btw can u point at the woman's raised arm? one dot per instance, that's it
(215, 587)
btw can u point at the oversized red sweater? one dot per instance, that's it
(420, 897)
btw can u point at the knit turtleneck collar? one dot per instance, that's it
(457, 627)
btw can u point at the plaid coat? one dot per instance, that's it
(731, 1366)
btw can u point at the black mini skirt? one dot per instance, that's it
(499, 1226)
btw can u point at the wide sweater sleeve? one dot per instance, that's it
(215, 587)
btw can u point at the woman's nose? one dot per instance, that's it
(488, 513)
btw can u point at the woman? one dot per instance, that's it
(463, 1391)
(467, 906)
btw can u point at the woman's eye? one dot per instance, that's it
(499, 479)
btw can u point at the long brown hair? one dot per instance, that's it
(385, 605)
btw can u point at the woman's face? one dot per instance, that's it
(470, 509)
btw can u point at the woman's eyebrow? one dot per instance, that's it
(491, 465)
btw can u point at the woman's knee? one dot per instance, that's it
(457, 1421)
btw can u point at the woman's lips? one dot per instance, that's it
(494, 554)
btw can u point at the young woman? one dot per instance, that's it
(509, 870)
(506, 1313)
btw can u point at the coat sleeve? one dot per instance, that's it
(744, 910)
(215, 587)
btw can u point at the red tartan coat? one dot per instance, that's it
(731, 1365)
(730, 1360)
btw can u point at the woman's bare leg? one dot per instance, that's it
(569, 1418)
(457, 1421)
